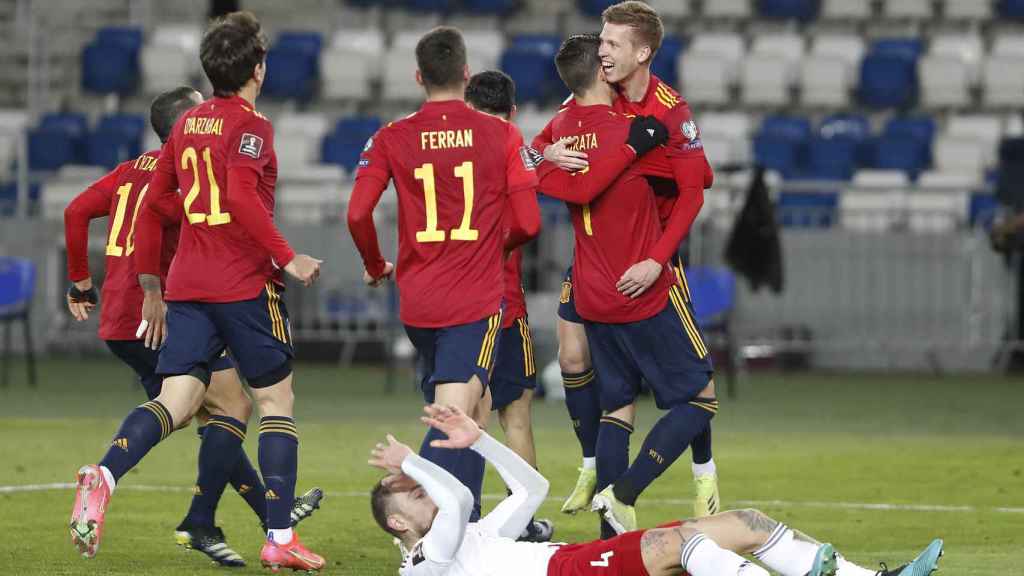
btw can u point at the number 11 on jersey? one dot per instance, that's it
(464, 232)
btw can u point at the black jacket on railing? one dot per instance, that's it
(754, 249)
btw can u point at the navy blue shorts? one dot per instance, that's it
(514, 370)
(567, 300)
(256, 331)
(667, 351)
(455, 353)
(143, 361)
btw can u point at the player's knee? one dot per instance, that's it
(759, 527)
(572, 360)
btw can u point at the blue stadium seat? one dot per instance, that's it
(911, 48)
(595, 7)
(888, 81)
(781, 144)
(292, 66)
(344, 145)
(852, 127)
(431, 5)
(789, 9)
(983, 209)
(110, 63)
(1011, 8)
(901, 152)
(832, 158)
(664, 64)
(712, 291)
(489, 6)
(529, 60)
(117, 138)
(920, 128)
(9, 197)
(58, 140)
(807, 209)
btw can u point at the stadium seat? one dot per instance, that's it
(1011, 8)
(110, 63)
(17, 287)
(920, 128)
(936, 212)
(911, 48)
(967, 9)
(672, 9)
(807, 209)
(907, 9)
(170, 58)
(731, 9)
(888, 74)
(847, 47)
(117, 138)
(594, 7)
(959, 154)
(664, 64)
(958, 181)
(982, 209)
(298, 139)
(398, 68)
(945, 82)
(351, 63)
(1003, 81)
(483, 49)
(901, 152)
(344, 145)
(788, 9)
(529, 60)
(877, 201)
(489, 6)
(713, 292)
(824, 82)
(846, 9)
(983, 127)
(766, 80)
(531, 121)
(1008, 44)
(707, 69)
(832, 158)
(292, 66)
(59, 139)
(789, 47)
(781, 144)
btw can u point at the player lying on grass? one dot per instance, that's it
(226, 407)
(428, 510)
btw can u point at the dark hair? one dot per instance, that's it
(441, 57)
(578, 63)
(168, 107)
(644, 20)
(493, 92)
(379, 498)
(232, 48)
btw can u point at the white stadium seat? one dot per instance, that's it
(728, 45)
(847, 47)
(846, 9)
(880, 179)
(790, 47)
(351, 63)
(297, 138)
(170, 58)
(483, 49)
(766, 80)
(708, 68)
(960, 154)
(825, 81)
(968, 48)
(531, 121)
(984, 127)
(725, 124)
(945, 81)
(968, 9)
(1008, 44)
(876, 202)
(912, 9)
(1003, 81)
(728, 9)
(936, 211)
(672, 8)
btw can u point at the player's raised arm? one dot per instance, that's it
(371, 181)
(521, 183)
(93, 202)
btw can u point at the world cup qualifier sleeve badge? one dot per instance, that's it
(691, 135)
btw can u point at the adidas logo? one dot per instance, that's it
(271, 495)
(244, 489)
(650, 132)
(121, 443)
(197, 490)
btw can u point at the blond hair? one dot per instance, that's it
(645, 22)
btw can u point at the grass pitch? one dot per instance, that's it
(876, 465)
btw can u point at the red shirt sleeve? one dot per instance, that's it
(160, 207)
(521, 182)
(544, 139)
(607, 163)
(93, 202)
(254, 217)
(371, 180)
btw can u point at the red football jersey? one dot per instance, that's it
(515, 299)
(118, 195)
(617, 228)
(455, 170)
(221, 156)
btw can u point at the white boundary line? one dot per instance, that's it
(23, 488)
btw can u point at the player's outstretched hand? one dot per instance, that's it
(153, 328)
(568, 160)
(646, 133)
(389, 269)
(638, 278)
(304, 268)
(82, 299)
(462, 431)
(389, 457)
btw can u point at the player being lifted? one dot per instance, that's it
(630, 38)
(223, 287)
(646, 332)
(226, 408)
(427, 509)
(514, 377)
(466, 194)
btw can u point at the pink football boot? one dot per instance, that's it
(92, 495)
(291, 555)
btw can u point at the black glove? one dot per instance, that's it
(83, 296)
(645, 133)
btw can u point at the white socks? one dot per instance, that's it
(702, 557)
(590, 463)
(109, 478)
(281, 536)
(785, 554)
(705, 469)
(847, 568)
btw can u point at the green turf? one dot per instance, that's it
(797, 446)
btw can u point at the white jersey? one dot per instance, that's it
(453, 546)
(483, 554)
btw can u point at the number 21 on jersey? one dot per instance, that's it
(190, 161)
(464, 232)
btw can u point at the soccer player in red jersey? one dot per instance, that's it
(223, 286)
(679, 172)
(426, 508)
(118, 195)
(514, 377)
(466, 194)
(645, 334)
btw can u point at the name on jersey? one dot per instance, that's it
(146, 163)
(582, 142)
(444, 139)
(204, 125)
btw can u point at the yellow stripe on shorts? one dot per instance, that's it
(676, 296)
